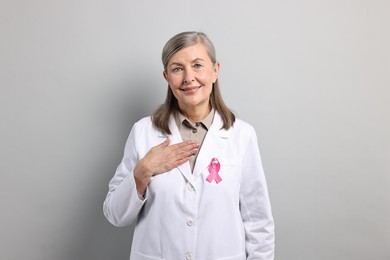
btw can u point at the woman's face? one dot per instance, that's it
(190, 74)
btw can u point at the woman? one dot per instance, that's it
(191, 176)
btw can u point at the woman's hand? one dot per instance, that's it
(162, 158)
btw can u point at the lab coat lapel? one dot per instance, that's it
(212, 147)
(175, 138)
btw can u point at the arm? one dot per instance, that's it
(255, 205)
(124, 199)
(122, 203)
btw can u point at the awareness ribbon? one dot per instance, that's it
(214, 169)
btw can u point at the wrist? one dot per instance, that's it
(142, 172)
(141, 177)
(141, 185)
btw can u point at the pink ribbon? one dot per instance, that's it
(214, 169)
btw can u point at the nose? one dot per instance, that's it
(188, 77)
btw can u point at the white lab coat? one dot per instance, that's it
(183, 216)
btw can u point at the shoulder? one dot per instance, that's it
(243, 127)
(245, 134)
(143, 126)
(239, 128)
(145, 121)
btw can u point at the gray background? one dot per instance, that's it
(313, 77)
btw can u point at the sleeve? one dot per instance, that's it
(255, 204)
(123, 203)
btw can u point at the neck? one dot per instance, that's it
(196, 114)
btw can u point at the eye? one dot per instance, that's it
(177, 69)
(198, 65)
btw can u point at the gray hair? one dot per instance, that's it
(161, 116)
(186, 39)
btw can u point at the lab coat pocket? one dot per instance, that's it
(228, 161)
(229, 170)
(139, 256)
(226, 179)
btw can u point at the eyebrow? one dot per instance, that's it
(180, 64)
(197, 59)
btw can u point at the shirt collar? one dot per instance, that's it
(206, 122)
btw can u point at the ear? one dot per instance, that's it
(216, 71)
(165, 75)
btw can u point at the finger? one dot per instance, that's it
(182, 144)
(183, 153)
(179, 147)
(186, 156)
(178, 154)
(177, 163)
(187, 150)
(165, 143)
(183, 147)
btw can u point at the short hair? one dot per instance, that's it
(161, 115)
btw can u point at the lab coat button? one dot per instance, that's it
(194, 131)
(188, 256)
(190, 223)
(190, 188)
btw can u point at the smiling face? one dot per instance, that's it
(190, 74)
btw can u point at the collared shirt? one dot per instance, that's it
(194, 132)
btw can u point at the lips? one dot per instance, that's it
(190, 90)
